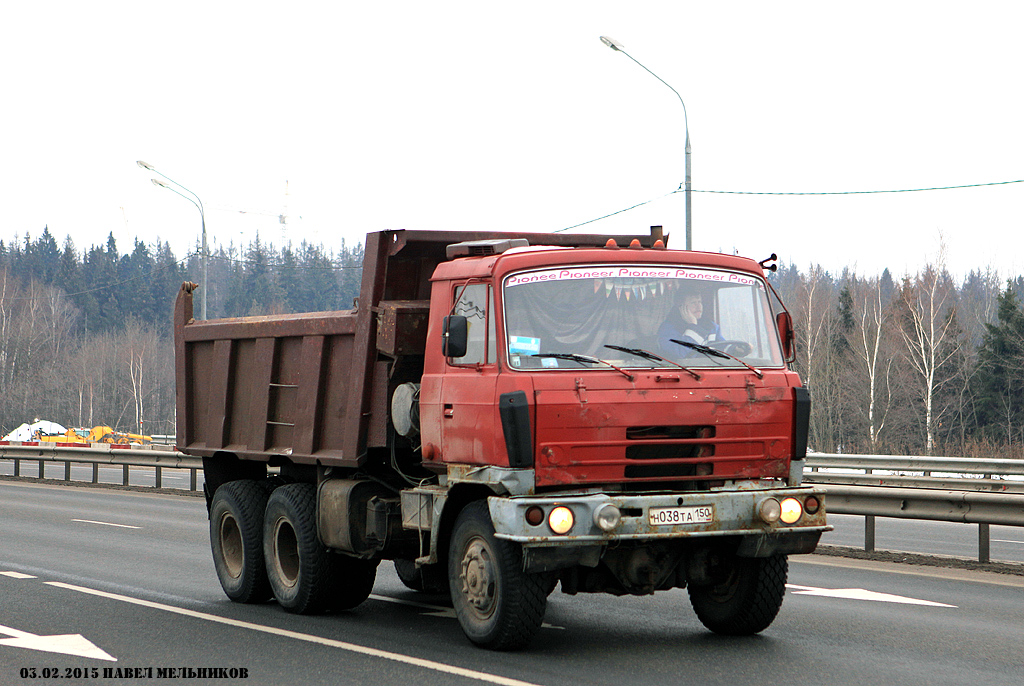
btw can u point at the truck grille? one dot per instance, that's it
(651, 446)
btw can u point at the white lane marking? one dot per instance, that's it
(309, 638)
(17, 575)
(438, 610)
(861, 594)
(121, 526)
(1004, 540)
(66, 644)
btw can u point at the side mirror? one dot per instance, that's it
(785, 323)
(455, 339)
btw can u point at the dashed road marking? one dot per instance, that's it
(437, 610)
(121, 526)
(18, 575)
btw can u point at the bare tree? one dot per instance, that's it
(931, 337)
(871, 347)
(816, 317)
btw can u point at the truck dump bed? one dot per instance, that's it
(314, 387)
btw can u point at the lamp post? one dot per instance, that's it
(205, 257)
(618, 47)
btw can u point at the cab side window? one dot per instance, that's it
(476, 303)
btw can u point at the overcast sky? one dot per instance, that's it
(515, 117)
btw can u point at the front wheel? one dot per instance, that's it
(744, 596)
(498, 605)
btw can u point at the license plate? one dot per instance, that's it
(668, 516)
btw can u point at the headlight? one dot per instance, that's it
(561, 520)
(607, 517)
(792, 510)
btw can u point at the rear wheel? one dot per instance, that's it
(498, 605)
(298, 564)
(236, 539)
(744, 597)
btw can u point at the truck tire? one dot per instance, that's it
(236, 540)
(498, 605)
(425, 579)
(351, 581)
(298, 565)
(746, 597)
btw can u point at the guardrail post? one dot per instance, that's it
(125, 480)
(67, 470)
(17, 467)
(42, 469)
(95, 472)
(869, 533)
(192, 481)
(984, 544)
(158, 482)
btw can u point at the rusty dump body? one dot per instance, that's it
(314, 387)
(597, 411)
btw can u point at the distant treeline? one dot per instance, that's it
(108, 288)
(918, 364)
(85, 333)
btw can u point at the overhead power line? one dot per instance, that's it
(874, 192)
(899, 190)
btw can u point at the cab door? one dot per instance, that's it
(469, 427)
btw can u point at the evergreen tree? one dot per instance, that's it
(46, 257)
(1000, 376)
(321, 290)
(67, 278)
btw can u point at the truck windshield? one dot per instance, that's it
(616, 312)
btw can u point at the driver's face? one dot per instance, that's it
(692, 308)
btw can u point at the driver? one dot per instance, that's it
(686, 323)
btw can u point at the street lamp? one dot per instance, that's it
(618, 47)
(205, 257)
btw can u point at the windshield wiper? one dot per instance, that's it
(648, 355)
(714, 352)
(576, 357)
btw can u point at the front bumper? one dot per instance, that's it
(735, 514)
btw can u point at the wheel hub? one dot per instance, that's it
(477, 576)
(232, 550)
(286, 552)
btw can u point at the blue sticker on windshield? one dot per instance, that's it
(523, 345)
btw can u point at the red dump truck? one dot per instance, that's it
(501, 414)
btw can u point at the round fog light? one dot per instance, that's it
(812, 504)
(534, 515)
(792, 510)
(769, 510)
(607, 517)
(560, 520)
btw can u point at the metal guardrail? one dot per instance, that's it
(159, 457)
(947, 489)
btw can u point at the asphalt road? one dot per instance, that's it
(929, 538)
(129, 574)
(180, 479)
